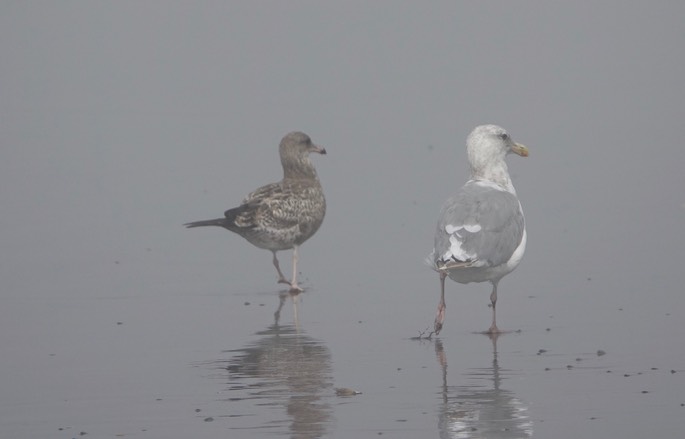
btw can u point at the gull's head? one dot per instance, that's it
(295, 148)
(491, 142)
(299, 144)
(487, 146)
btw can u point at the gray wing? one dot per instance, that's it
(481, 226)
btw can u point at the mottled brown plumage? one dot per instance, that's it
(283, 215)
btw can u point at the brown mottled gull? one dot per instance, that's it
(283, 215)
(481, 233)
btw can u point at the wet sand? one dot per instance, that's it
(254, 364)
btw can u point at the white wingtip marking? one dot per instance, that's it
(471, 228)
(449, 228)
(456, 251)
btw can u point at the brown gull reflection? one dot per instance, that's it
(481, 408)
(281, 382)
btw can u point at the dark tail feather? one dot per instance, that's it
(221, 222)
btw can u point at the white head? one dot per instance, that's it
(487, 146)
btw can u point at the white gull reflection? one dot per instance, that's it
(480, 407)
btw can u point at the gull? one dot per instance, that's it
(282, 215)
(481, 232)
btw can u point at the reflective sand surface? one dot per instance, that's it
(224, 364)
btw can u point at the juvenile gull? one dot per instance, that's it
(481, 232)
(283, 215)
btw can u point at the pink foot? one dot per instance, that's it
(493, 330)
(439, 318)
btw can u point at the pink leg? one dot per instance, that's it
(493, 300)
(293, 284)
(281, 278)
(440, 315)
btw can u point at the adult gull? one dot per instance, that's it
(282, 215)
(481, 232)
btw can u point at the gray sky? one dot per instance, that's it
(119, 121)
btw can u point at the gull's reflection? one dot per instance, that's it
(283, 369)
(481, 408)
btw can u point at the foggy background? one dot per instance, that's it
(120, 121)
(123, 120)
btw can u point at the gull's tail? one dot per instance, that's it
(430, 261)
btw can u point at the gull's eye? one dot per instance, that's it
(504, 136)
